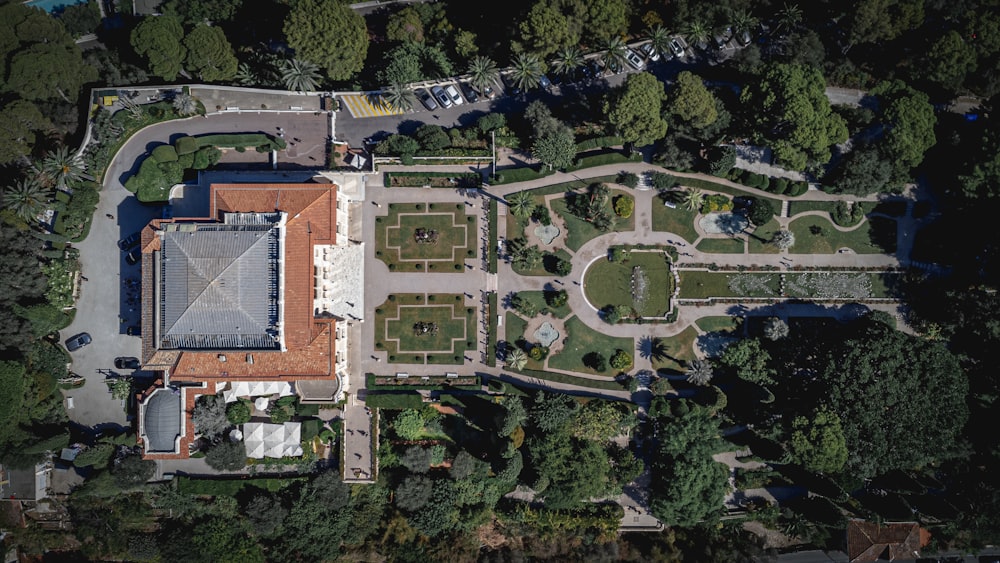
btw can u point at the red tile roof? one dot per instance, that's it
(868, 541)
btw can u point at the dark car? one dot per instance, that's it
(426, 99)
(129, 241)
(375, 139)
(615, 67)
(469, 92)
(595, 68)
(133, 257)
(133, 330)
(126, 362)
(544, 82)
(79, 341)
(511, 87)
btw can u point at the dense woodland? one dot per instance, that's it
(877, 423)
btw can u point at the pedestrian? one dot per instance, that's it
(435, 116)
(83, 277)
(109, 216)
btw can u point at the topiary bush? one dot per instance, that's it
(164, 153)
(624, 206)
(238, 412)
(621, 360)
(628, 179)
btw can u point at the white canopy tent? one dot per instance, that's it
(272, 440)
(239, 389)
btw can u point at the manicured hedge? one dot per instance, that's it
(571, 380)
(164, 153)
(599, 143)
(230, 487)
(241, 140)
(402, 400)
(186, 145)
(524, 174)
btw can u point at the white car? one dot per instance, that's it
(453, 94)
(648, 50)
(634, 59)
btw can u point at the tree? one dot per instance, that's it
(760, 211)
(523, 305)
(595, 361)
(405, 25)
(557, 149)
(783, 239)
(874, 21)
(775, 329)
(209, 54)
(432, 137)
(409, 424)
(20, 123)
(516, 359)
(398, 96)
(483, 72)
(789, 16)
(699, 372)
(692, 199)
(697, 32)
(789, 107)
(414, 493)
(692, 102)
(882, 384)
(864, 171)
(687, 486)
(238, 412)
(606, 18)
(12, 386)
(527, 71)
(417, 459)
(621, 360)
(45, 71)
(613, 52)
(659, 37)
(185, 104)
(62, 167)
(909, 119)
(567, 60)
(465, 44)
(551, 411)
(400, 145)
(599, 421)
(299, 75)
(634, 110)
(158, 39)
(26, 198)
(743, 21)
(330, 34)
(817, 442)
(194, 12)
(545, 29)
(749, 361)
(132, 470)
(209, 416)
(227, 456)
(521, 204)
(265, 515)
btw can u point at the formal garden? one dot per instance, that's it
(417, 328)
(815, 285)
(637, 280)
(432, 237)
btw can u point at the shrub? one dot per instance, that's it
(556, 298)
(98, 455)
(164, 153)
(779, 185)
(621, 360)
(595, 361)
(662, 181)
(628, 179)
(599, 143)
(541, 214)
(186, 145)
(538, 352)
(619, 254)
(280, 415)
(624, 205)
(798, 188)
(524, 306)
(406, 400)
(227, 456)
(716, 203)
(721, 160)
(238, 412)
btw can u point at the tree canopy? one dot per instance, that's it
(209, 54)
(546, 29)
(909, 120)
(159, 40)
(691, 101)
(330, 34)
(817, 442)
(635, 109)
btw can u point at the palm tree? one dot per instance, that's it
(783, 239)
(25, 198)
(567, 60)
(789, 17)
(775, 328)
(299, 75)
(743, 20)
(527, 71)
(699, 372)
(659, 38)
(246, 76)
(520, 204)
(398, 96)
(62, 167)
(185, 104)
(483, 72)
(658, 349)
(697, 32)
(614, 52)
(516, 359)
(693, 198)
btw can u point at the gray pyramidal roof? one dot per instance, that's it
(220, 287)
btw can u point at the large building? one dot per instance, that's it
(260, 291)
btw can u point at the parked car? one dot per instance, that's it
(489, 92)
(129, 241)
(453, 94)
(722, 38)
(676, 48)
(440, 97)
(126, 362)
(133, 257)
(634, 59)
(133, 330)
(743, 38)
(79, 341)
(469, 92)
(595, 68)
(544, 82)
(372, 141)
(426, 99)
(651, 53)
(615, 67)
(508, 83)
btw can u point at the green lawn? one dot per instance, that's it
(610, 283)
(580, 340)
(875, 236)
(795, 207)
(396, 245)
(678, 221)
(717, 324)
(722, 246)
(580, 231)
(538, 298)
(700, 285)
(514, 327)
(456, 328)
(761, 238)
(679, 349)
